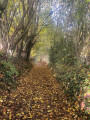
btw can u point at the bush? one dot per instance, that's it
(60, 52)
(9, 70)
(74, 82)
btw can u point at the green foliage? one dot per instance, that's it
(87, 1)
(63, 52)
(74, 81)
(43, 44)
(10, 71)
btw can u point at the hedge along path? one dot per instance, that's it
(38, 97)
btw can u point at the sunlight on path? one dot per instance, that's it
(38, 97)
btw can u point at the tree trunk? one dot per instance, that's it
(21, 49)
(2, 8)
(28, 51)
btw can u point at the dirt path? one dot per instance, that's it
(38, 97)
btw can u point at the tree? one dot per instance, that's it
(20, 26)
(23, 20)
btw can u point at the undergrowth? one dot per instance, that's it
(10, 70)
(74, 81)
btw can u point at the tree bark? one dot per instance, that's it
(29, 48)
(21, 49)
(2, 8)
(28, 51)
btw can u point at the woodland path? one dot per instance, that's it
(38, 97)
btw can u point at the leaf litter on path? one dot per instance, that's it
(38, 97)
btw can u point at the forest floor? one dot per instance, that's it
(37, 97)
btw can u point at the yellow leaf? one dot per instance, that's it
(30, 115)
(49, 111)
